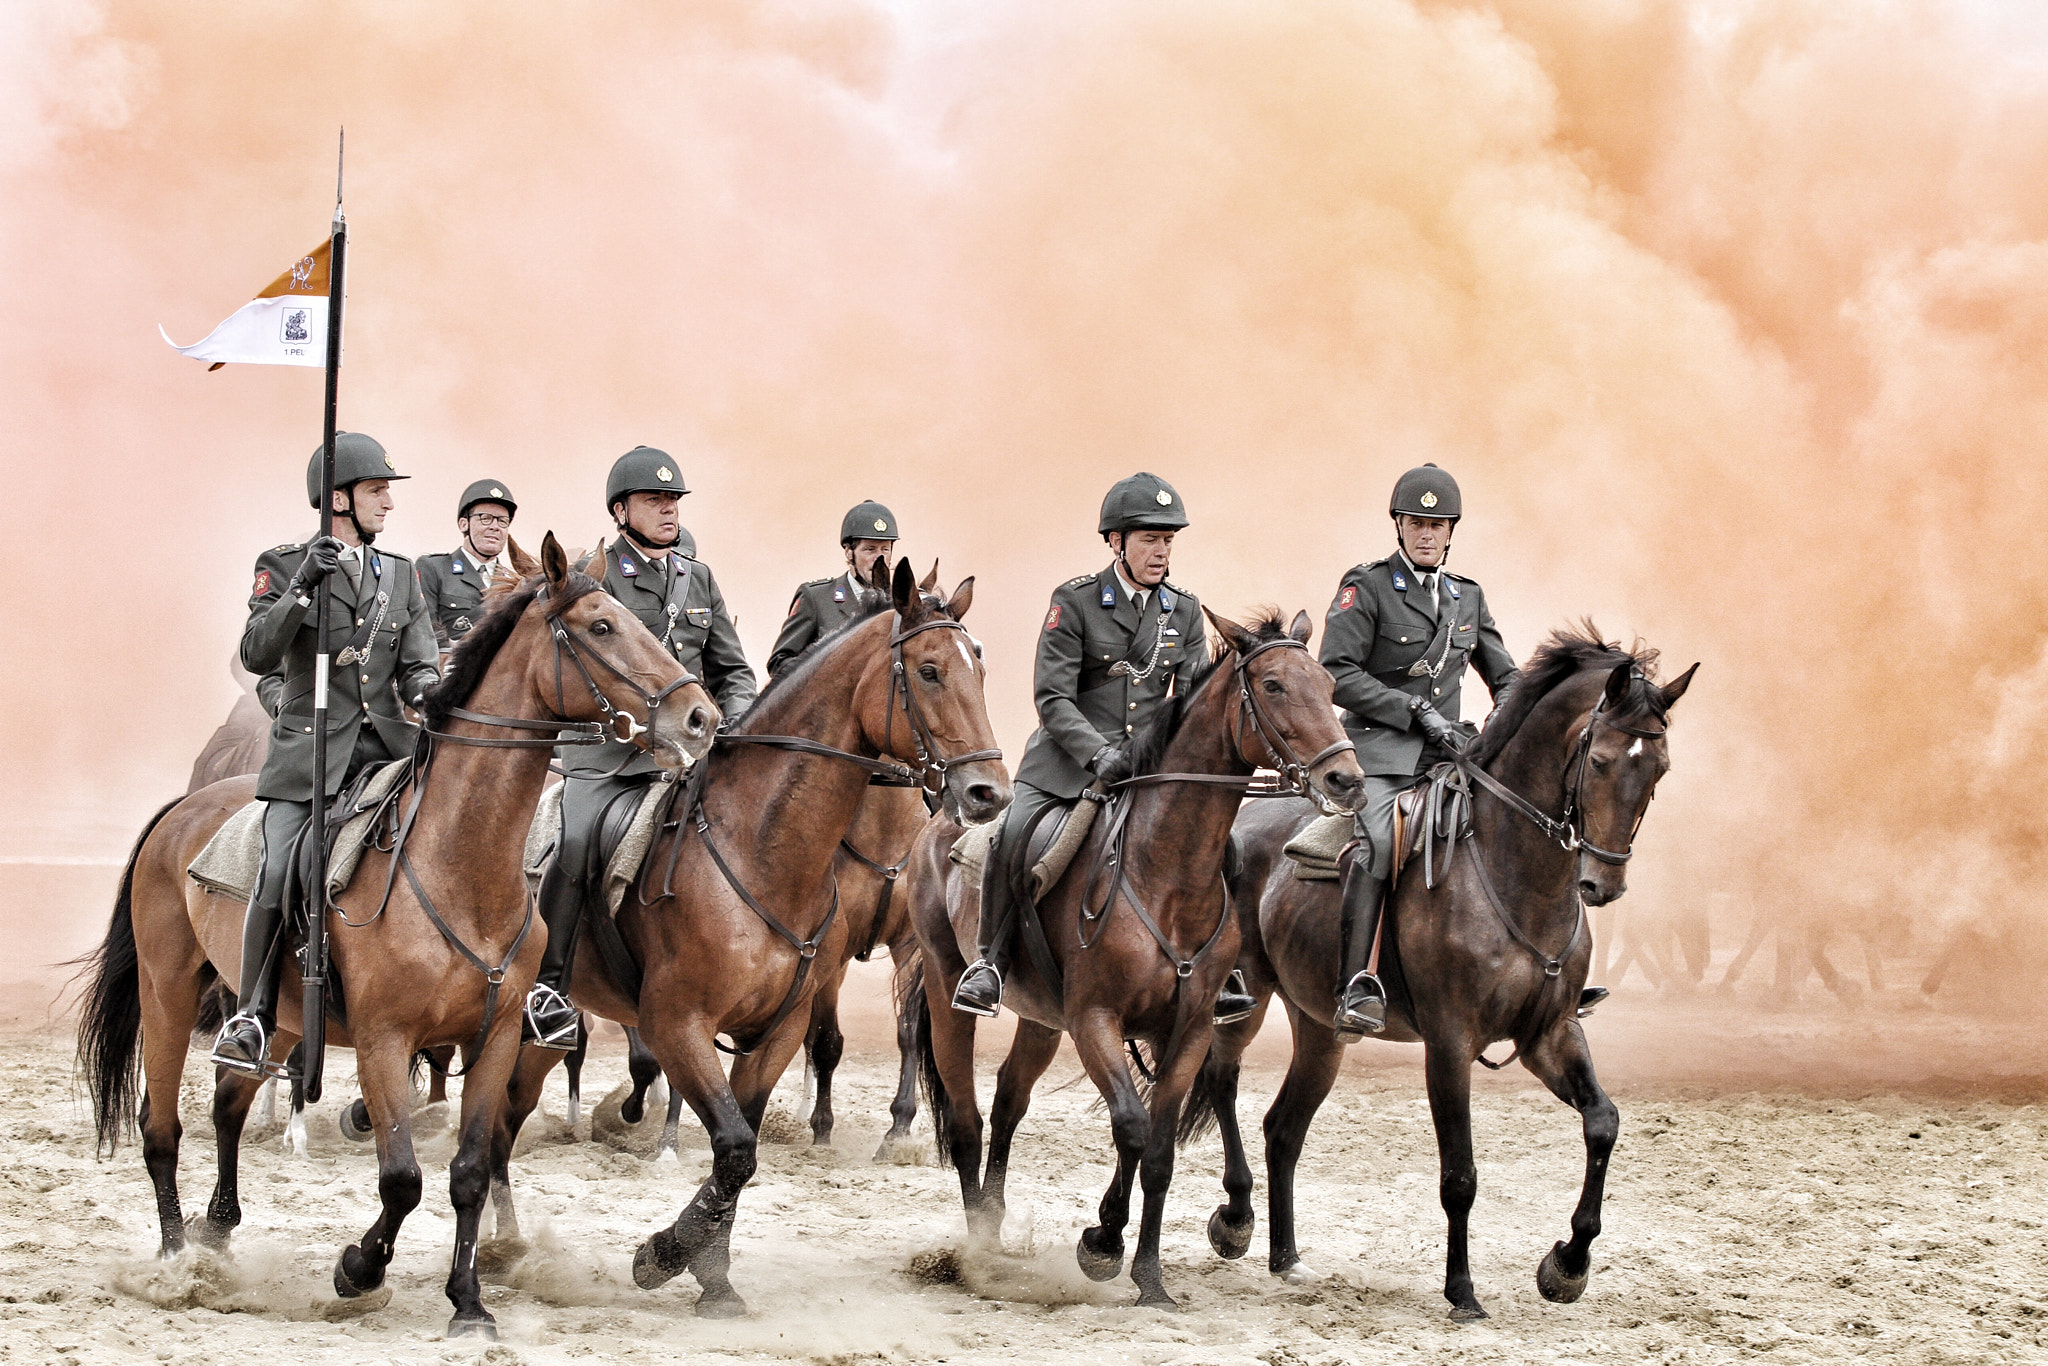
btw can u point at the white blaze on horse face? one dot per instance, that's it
(966, 654)
(1636, 748)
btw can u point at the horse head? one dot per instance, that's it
(921, 702)
(1287, 718)
(1618, 754)
(606, 666)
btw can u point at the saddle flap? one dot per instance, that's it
(1316, 850)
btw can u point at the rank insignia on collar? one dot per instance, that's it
(627, 567)
(1109, 595)
(839, 594)
(1452, 585)
(376, 565)
(1346, 598)
(455, 564)
(1166, 600)
(1400, 581)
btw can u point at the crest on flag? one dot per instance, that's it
(286, 324)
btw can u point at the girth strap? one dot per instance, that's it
(888, 873)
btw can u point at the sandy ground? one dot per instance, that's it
(1899, 1219)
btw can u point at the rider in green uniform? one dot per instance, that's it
(866, 534)
(379, 625)
(675, 597)
(455, 582)
(1116, 645)
(1397, 641)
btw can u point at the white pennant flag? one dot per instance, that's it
(284, 325)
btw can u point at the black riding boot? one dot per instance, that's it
(1361, 1000)
(244, 1042)
(1235, 1002)
(981, 987)
(550, 1021)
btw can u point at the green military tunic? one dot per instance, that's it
(1084, 701)
(454, 585)
(383, 642)
(820, 607)
(677, 599)
(1380, 626)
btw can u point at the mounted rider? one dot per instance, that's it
(379, 623)
(675, 596)
(1398, 639)
(455, 582)
(866, 534)
(1116, 646)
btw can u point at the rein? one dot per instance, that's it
(1565, 829)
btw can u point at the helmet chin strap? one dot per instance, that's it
(626, 529)
(366, 537)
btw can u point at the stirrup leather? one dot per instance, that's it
(971, 1007)
(262, 1067)
(544, 1002)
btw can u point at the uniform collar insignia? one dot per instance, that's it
(1109, 593)
(1166, 599)
(627, 567)
(1400, 581)
(839, 592)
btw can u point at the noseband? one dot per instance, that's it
(921, 738)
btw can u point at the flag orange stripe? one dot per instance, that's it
(308, 275)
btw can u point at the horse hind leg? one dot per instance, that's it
(903, 1109)
(385, 1074)
(1031, 1052)
(825, 1046)
(1563, 1063)
(644, 1070)
(946, 1066)
(484, 1097)
(233, 1094)
(1310, 1074)
(572, 1068)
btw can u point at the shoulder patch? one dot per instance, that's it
(1347, 598)
(796, 602)
(1052, 618)
(262, 584)
(1080, 580)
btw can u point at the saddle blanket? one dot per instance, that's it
(231, 860)
(621, 871)
(970, 851)
(1316, 848)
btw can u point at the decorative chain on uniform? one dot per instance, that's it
(1123, 668)
(1423, 666)
(360, 654)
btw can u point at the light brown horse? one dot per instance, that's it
(1139, 928)
(408, 985)
(736, 907)
(1496, 950)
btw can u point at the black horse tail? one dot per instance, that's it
(1198, 1111)
(110, 1015)
(929, 1081)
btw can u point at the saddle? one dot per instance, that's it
(624, 837)
(1437, 809)
(233, 858)
(1049, 854)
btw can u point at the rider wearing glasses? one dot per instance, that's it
(380, 630)
(455, 583)
(1397, 641)
(652, 569)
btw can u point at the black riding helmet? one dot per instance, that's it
(1426, 491)
(356, 458)
(1143, 502)
(486, 491)
(868, 521)
(642, 470)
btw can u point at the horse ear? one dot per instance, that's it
(963, 597)
(1232, 635)
(1302, 629)
(903, 590)
(1618, 681)
(929, 581)
(523, 564)
(554, 561)
(1675, 689)
(878, 574)
(595, 557)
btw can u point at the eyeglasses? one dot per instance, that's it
(489, 519)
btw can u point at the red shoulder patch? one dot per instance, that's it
(262, 584)
(795, 603)
(1347, 597)
(1052, 618)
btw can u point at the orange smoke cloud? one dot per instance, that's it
(1725, 315)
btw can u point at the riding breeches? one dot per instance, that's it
(1006, 852)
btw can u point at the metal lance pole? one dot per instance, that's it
(314, 969)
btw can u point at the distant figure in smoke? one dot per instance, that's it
(238, 746)
(455, 582)
(1397, 640)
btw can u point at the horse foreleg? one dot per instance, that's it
(1031, 1052)
(1564, 1063)
(1310, 1074)
(909, 1043)
(700, 1239)
(572, 1068)
(485, 1096)
(1230, 1226)
(948, 1064)
(1185, 1053)
(1449, 1070)
(167, 1017)
(384, 1073)
(1099, 1041)
(643, 1069)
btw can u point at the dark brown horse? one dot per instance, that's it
(1497, 950)
(1139, 930)
(409, 983)
(736, 905)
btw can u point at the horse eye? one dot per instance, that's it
(1273, 686)
(928, 672)
(600, 627)
(1601, 763)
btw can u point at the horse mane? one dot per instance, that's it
(804, 663)
(1148, 746)
(1569, 652)
(472, 656)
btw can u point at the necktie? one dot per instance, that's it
(351, 562)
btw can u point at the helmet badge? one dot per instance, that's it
(1428, 499)
(1164, 498)
(497, 493)
(389, 463)
(664, 474)
(881, 525)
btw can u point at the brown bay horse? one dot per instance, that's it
(736, 913)
(456, 835)
(1496, 951)
(1139, 928)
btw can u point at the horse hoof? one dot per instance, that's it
(352, 1285)
(208, 1234)
(1098, 1265)
(1301, 1273)
(1467, 1313)
(1558, 1285)
(355, 1123)
(484, 1327)
(721, 1304)
(632, 1109)
(1230, 1240)
(1154, 1297)
(654, 1268)
(667, 1155)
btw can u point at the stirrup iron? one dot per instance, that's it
(261, 1067)
(545, 1002)
(968, 1006)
